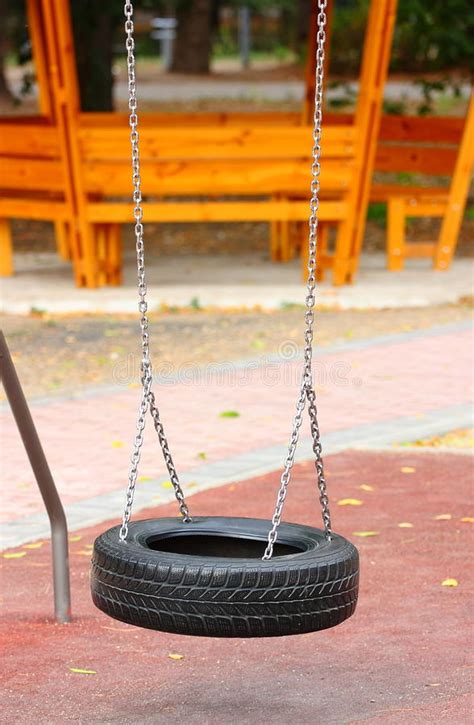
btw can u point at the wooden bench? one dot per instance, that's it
(212, 174)
(448, 203)
(32, 183)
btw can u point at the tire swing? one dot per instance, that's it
(225, 576)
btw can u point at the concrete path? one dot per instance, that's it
(374, 392)
(404, 657)
(247, 280)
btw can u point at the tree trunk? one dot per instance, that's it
(94, 25)
(192, 49)
(5, 93)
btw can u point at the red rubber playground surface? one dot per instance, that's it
(402, 658)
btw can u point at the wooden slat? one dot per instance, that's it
(211, 177)
(383, 192)
(29, 141)
(205, 211)
(35, 174)
(165, 120)
(419, 249)
(426, 207)
(216, 143)
(415, 159)
(37, 209)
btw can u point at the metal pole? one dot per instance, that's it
(244, 35)
(44, 479)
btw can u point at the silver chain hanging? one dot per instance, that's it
(147, 401)
(307, 391)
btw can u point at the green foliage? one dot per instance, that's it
(378, 213)
(433, 35)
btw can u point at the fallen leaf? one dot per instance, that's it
(231, 488)
(407, 469)
(174, 656)
(34, 545)
(449, 583)
(201, 455)
(23, 485)
(365, 534)
(118, 444)
(443, 517)
(366, 487)
(74, 538)
(14, 554)
(144, 479)
(349, 502)
(405, 525)
(81, 671)
(467, 520)
(229, 414)
(167, 484)
(192, 484)
(83, 552)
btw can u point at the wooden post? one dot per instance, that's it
(58, 34)
(6, 251)
(396, 212)
(377, 47)
(41, 60)
(457, 195)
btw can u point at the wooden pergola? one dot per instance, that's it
(73, 168)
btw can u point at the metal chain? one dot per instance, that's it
(147, 400)
(307, 391)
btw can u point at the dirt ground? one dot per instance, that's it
(57, 354)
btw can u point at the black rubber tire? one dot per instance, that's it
(212, 596)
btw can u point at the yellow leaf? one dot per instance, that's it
(449, 583)
(349, 502)
(174, 656)
(14, 554)
(144, 479)
(443, 517)
(467, 520)
(407, 469)
(117, 444)
(231, 488)
(405, 525)
(365, 534)
(74, 538)
(83, 552)
(366, 487)
(81, 671)
(35, 545)
(167, 484)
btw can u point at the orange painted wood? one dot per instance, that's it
(215, 143)
(41, 209)
(439, 161)
(35, 174)
(383, 192)
(6, 250)
(40, 58)
(458, 193)
(377, 46)
(213, 177)
(215, 211)
(172, 119)
(32, 140)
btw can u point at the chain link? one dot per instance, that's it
(307, 391)
(147, 401)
